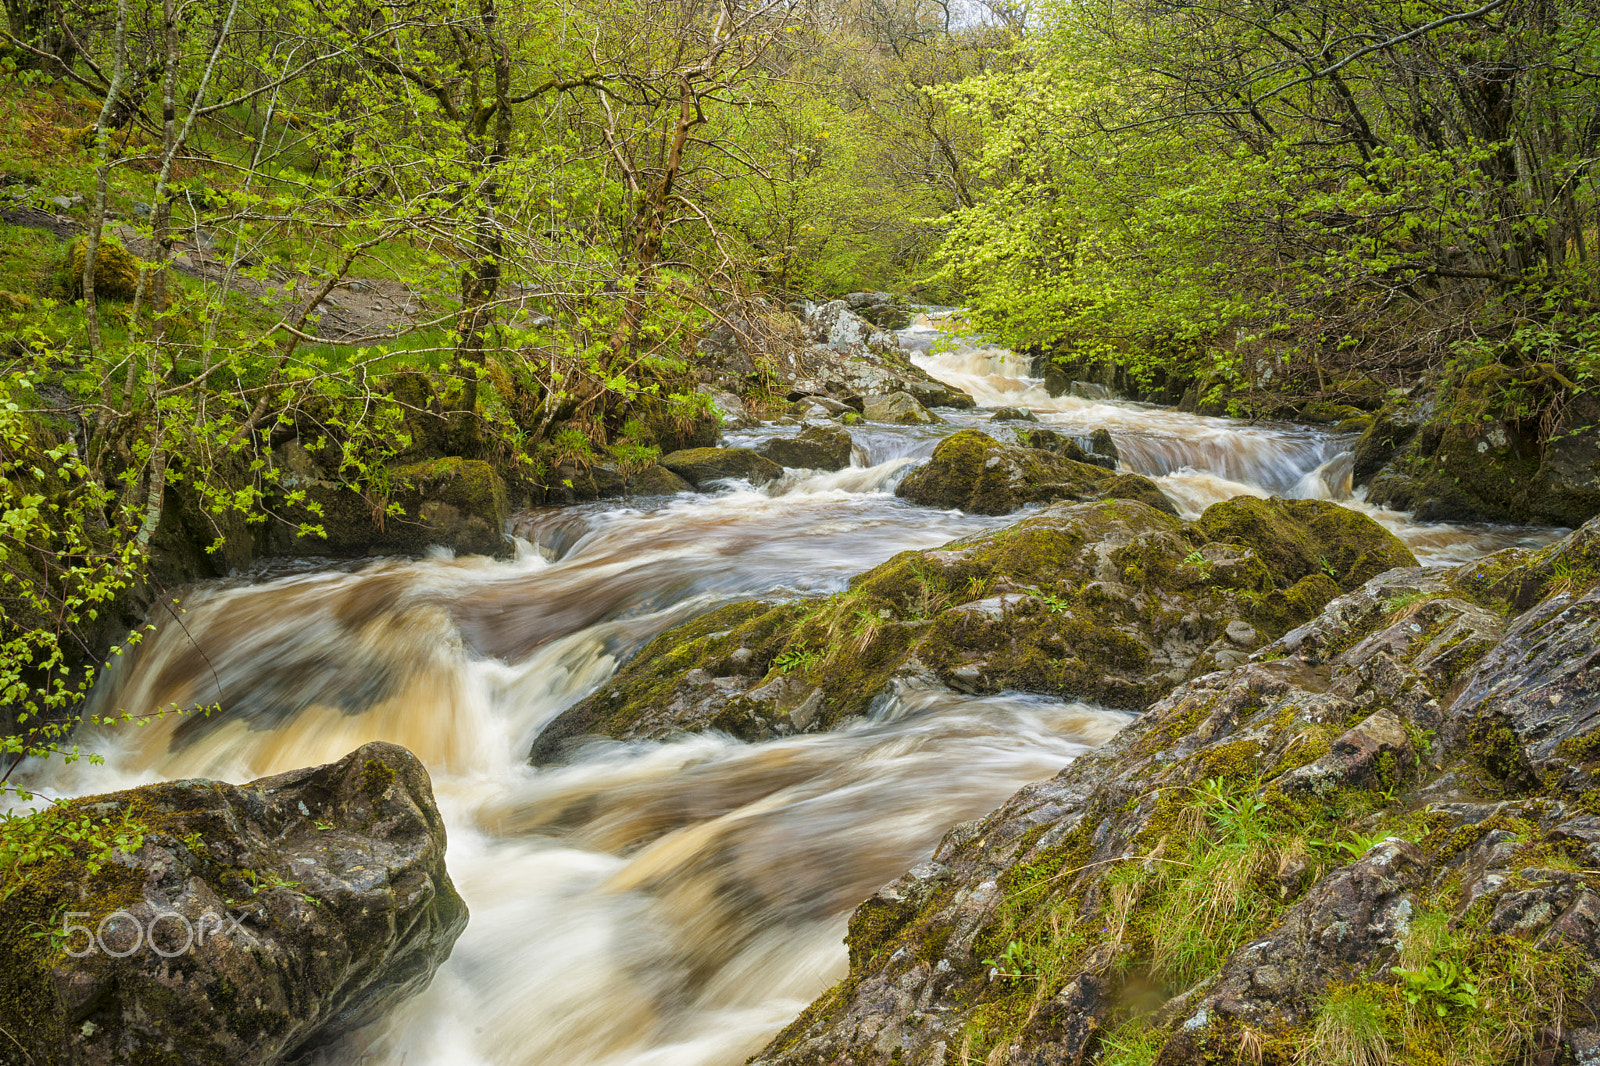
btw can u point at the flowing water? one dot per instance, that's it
(667, 904)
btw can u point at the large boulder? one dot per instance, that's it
(1301, 538)
(1373, 841)
(1113, 602)
(973, 472)
(814, 448)
(702, 466)
(232, 924)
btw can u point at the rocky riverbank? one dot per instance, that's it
(1377, 833)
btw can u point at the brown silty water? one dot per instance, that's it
(674, 903)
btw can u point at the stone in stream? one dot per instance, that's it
(1113, 602)
(1268, 836)
(815, 448)
(272, 918)
(900, 408)
(973, 472)
(702, 466)
(1013, 414)
(1101, 450)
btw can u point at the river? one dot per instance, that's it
(668, 904)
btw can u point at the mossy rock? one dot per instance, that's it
(15, 301)
(1324, 413)
(1299, 538)
(1108, 601)
(116, 271)
(657, 480)
(973, 472)
(450, 502)
(1474, 457)
(701, 466)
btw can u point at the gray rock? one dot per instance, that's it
(900, 408)
(322, 895)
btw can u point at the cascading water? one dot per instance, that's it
(671, 903)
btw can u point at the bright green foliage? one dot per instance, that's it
(1224, 190)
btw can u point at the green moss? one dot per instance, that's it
(1301, 538)
(376, 778)
(116, 271)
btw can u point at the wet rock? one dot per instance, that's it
(729, 408)
(1097, 449)
(820, 407)
(318, 901)
(973, 472)
(702, 466)
(656, 480)
(1013, 414)
(900, 408)
(1531, 708)
(1467, 461)
(1406, 691)
(815, 448)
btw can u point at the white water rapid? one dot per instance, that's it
(669, 904)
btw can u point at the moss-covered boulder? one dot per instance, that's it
(1301, 538)
(233, 924)
(701, 467)
(657, 480)
(1114, 602)
(116, 271)
(1358, 834)
(814, 448)
(973, 472)
(1477, 453)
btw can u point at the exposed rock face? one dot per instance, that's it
(1113, 602)
(882, 309)
(973, 472)
(901, 408)
(701, 466)
(834, 352)
(318, 898)
(814, 448)
(1406, 784)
